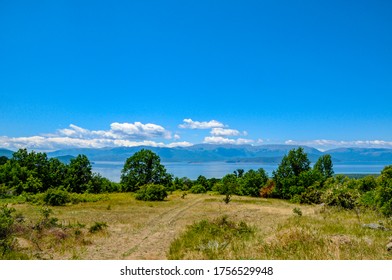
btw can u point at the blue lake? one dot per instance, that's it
(112, 170)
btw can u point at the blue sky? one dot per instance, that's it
(176, 73)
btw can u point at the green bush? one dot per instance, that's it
(151, 192)
(198, 189)
(56, 197)
(97, 226)
(6, 234)
(341, 192)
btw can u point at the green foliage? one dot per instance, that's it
(367, 183)
(6, 232)
(183, 184)
(211, 239)
(252, 181)
(151, 192)
(324, 166)
(56, 197)
(198, 189)
(99, 184)
(342, 192)
(383, 195)
(297, 211)
(98, 226)
(287, 176)
(203, 181)
(143, 168)
(46, 220)
(79, 174)
(3, 160)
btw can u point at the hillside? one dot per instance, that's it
(6, 153)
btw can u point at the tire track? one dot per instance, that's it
(153, 241)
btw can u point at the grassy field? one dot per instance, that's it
(198, 226)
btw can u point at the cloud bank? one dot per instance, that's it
(119, 135)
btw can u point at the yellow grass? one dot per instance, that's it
(145, 230)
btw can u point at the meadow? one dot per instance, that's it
(116, 226)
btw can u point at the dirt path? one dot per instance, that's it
(150, 242)
(153, 241)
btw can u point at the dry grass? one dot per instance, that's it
(145, 230)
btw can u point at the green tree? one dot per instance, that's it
(324, 166)
(287, 175)
(384, 191)
(252, 181)
(79, 174)
(143, 168)
(3, 160)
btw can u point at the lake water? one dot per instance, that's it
(112, 170)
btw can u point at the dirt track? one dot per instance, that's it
(151, 241)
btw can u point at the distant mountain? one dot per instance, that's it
(6, 153)
(272, 154)
(196, 153)
(65, 159)
(361, 154)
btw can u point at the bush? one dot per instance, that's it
(198, 189)
(97, 226)
(56, 197)
(341, 192)
(6, 234)
(268, 189)
(151, 192)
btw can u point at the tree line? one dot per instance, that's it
(294, 179)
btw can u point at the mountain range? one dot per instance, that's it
(229, 153)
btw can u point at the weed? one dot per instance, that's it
(97, 226)
(297, 211)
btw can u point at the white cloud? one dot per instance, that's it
(218, 131)
(176, 136)
(223, 140)
(120, 134)
(139, 130)
(189, 123)
(330, 144)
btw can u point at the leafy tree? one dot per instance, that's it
(239, 172)
(3, 160)
(384, 191)
(252, 182)
(36, 165)
(324, 166)
(286, 177)
(201, 180)
(143, 168)
(79, 174)
(57, 173)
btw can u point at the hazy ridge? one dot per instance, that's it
(230, 153)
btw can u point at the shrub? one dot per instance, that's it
(297, 211)
(97, 226)
(268, 189)
(198, 189)
(56, 197)
(6, 234)
(341, 192)
(151, 192)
